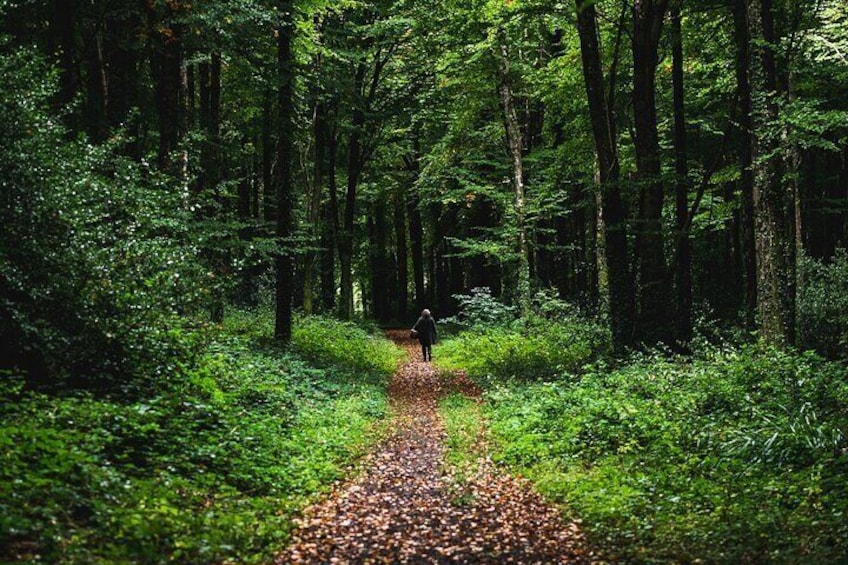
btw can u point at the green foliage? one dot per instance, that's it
(736, 455)
(462, 419)
(210, 469)
(97, 250)
(554, 340)
(823, 304)
(481, 310)
(344, 345)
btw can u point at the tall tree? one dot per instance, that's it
(683, 258)
(652, 280)
(774, 233)
(355, 164)
(283, 173)
(62, 45)
(401, 251)
(167, 68)
(604, 130)
(746, 173)
(416, 226)
(515, 144)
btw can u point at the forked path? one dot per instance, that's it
(405, 508)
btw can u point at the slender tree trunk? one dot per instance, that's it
(653, 288)
(203, 78)
(268, 196)
(283, 174)
(382, 275)
(376, 283)
(244, 189)
(515, 143)
(332, 229)
(313, 212)
(167, 70)
(416, 229)
(683, 259)
(63, 19)
(256, 178)
(191, 98)
(354, 168)
(123, 76)
(214, 127)
(746, 180)
(210, 176)
(97, 89)
(775, 253)
(621, 299)
(401, 252)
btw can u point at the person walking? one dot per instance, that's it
(425, 330)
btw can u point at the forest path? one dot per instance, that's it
(407, 508)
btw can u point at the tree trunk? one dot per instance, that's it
(401, 253)
(621, 299)
(416, 229)
(775, 253)
(515, 143)
(167, 63)
(382, 275)
(328, 261)
(123, 75)
(283, 174)
(209, 178)
(256, 179)
(213, 127)
(268, 196)
(683, 258)
(332, 229)
(63, 18)
(97, 89)
(354, 168)
(652, 287)
(314, 209)
(746, 179)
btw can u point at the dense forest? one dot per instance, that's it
(629, 217)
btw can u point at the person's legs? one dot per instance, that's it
(424, 350)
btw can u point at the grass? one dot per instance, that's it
(736, 454)
(463, 424)
(209, 466)
(525, 350)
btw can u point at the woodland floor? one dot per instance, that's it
(407, 506)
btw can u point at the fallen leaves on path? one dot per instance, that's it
(405, 508)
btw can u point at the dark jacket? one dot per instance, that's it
(426, 328)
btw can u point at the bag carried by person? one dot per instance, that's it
(413, 333)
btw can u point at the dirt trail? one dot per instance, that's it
(404, 508)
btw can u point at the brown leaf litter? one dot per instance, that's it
(406, 508)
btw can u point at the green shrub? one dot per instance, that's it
(97, 250)
(823, 304)
(326, 342)
(735, 455)
(481, 310)
(527, 350)
(208, 467)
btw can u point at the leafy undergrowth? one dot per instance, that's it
(463, 426)
(495, 344)
(523, 349)
(209, 467)
(736, 455)
(331, 343)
